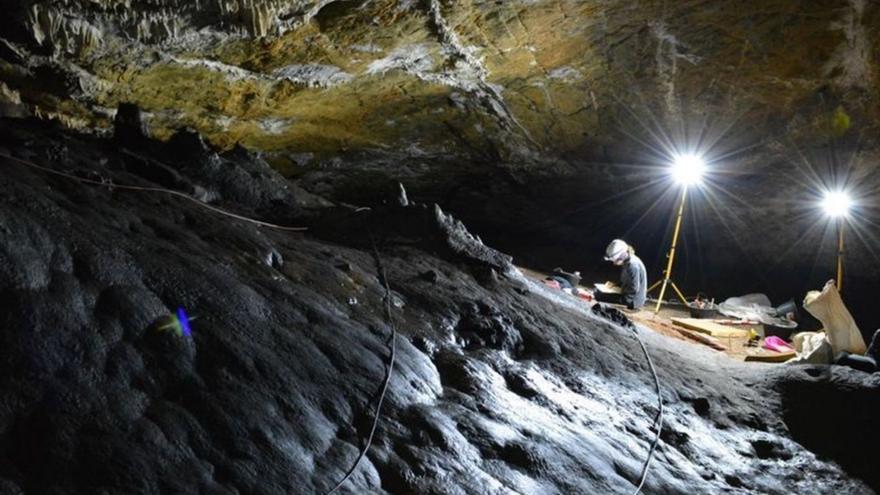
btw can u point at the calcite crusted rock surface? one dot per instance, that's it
(500, 385)
(441, 75)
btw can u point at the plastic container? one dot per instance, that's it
(706, 312)
(780, 331)
(786, 308)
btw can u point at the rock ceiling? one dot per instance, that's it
(515, 77)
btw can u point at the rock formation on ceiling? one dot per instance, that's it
(514, 77)
(499, 384)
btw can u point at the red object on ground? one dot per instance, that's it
(774, 343)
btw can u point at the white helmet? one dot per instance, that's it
(616, 250)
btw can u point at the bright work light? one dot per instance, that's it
(836, 204)
(688, 170)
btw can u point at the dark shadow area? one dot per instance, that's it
(836, 419)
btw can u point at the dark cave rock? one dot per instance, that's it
(524, 456)
(7, 487)
(129, 128)
(769, 449)
(432, 430)
(842, 425)
(415, 225)
(238, 175)
(674, 437)
(276, 390)
(186, 145)
(701, 406)
(734, 481)
(426, 345)
(133, 308)
(460, 372)
(461, 242)
(486, 276)
(344, 266)
(520, 384)
(483, 326)
(27, 252)
(241, 177)
(537, 345)
(155, 171)
(613, 315)
(175, 353)
(751, 419)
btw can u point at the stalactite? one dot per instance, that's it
(62, 33)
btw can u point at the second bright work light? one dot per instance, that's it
(688, 170)
(837, 205)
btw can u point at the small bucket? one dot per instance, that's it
(783, 333)
(786, 308)
(706, 312)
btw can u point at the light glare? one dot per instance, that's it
(688, 170)
(836, 204)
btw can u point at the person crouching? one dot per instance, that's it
(633, 276)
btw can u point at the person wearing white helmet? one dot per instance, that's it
(633, 276)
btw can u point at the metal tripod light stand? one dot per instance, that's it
(837, 205)
(687, 171)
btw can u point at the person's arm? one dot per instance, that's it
(641, 284)
(629, 284)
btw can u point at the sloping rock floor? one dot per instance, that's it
(499, 385)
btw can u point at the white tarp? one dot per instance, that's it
(756, 307)
(840, 329)
(811, 348)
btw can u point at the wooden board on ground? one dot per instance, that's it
(702, 338)
(767, 356)
(709, 327)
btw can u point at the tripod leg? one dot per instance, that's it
(654, 286)
(662, 293)
(677, 291)
(671, 256)
(840, 256)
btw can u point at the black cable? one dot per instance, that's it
(126, 187)
(390, 320)
(658, 420)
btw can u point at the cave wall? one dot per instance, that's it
(544, 124)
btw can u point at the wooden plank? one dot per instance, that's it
(702, 338)
(770, 356)
(709, 327)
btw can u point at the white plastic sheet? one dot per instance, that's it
(840, 329)
(755, 307)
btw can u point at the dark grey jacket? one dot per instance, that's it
(634, 282)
